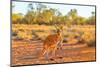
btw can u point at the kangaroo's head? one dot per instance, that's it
(59, 29)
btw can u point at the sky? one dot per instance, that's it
(85, 11)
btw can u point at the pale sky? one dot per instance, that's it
(85, 11)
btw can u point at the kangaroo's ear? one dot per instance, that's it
(56, 26)
(61, 27)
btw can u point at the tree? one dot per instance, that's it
(47, 16)
(30, 7)
(16, 18)
(92, 20)
(40, 7)
(56, 16)
(81, 20)
(29, 18)
(73, 16)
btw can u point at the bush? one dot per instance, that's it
(18, 38)
(14, 33)
(91, 43)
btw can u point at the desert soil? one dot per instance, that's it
(25, 53)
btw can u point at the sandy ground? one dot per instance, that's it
(24, 52)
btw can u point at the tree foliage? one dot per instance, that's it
(50, 16)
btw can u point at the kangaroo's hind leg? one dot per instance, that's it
(54, 52)
(45, 53)
(42, 53)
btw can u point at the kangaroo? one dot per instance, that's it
(52, 42)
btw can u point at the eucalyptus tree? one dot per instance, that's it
(92, 19)
(72, 14)
(30, 7)
(30, 15)
(17, 18)
(40, 7)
